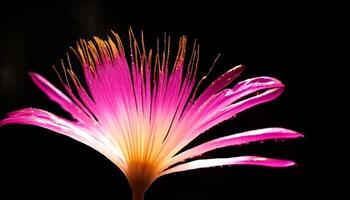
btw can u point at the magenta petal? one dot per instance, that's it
(242, 160)
(233, 109)
(243, 89)
(258, 83)
(44, 119)
(227, 103)
(56, 95)
(198, 126)
(220, 83)
(47, 120)
(236, 139)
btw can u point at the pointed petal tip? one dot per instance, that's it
(9, 121)
(274, 163)
(240, 66)
(33, 74)
(294, 134)
(278, 84)
(287, 163)
(35, 77)
(299, 135)
(290, 133)
(281, 85)
(270, 162)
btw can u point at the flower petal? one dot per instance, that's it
(44, 119)
(56, 95)
(198, 121)
(239, 91)
(233, 109)
(242, 160)
(235, 139)
(220, 83)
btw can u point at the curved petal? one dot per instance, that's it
(242, 160)
(56, 95)
(193, 126)
(233, 109)
(243, 89)
(239, 91)
(235, 139)
(47, 120)
(220, 83)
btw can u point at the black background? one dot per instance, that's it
(272, 40)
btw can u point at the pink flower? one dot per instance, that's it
(141, 114)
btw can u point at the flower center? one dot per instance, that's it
(140, 175)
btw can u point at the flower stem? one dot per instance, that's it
(137, 195)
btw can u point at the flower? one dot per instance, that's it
(141, 114)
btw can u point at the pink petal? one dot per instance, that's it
(236, 139)
(243, 89)
(56, 95)
(47, 120)
(242, 160)
(219, 101)
(233, 109)
(239, 91)
(197, 121)
(220, 83)
(44, 119)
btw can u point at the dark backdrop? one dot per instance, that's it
(271, 40)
